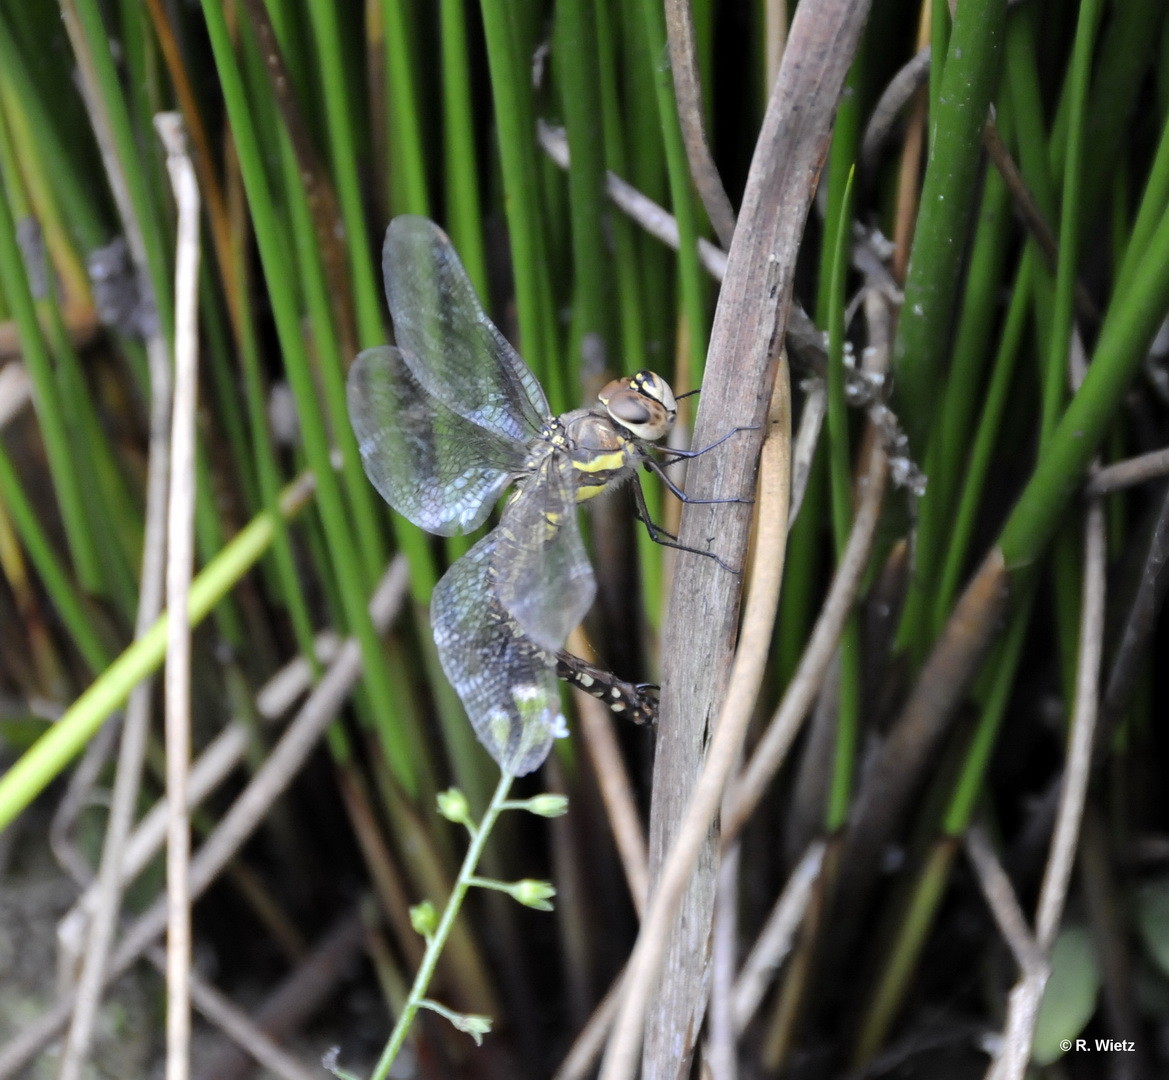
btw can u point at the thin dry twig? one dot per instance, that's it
(775, 939)
(688, 93)
(586, 1048)
(1032, 215)
(218, 218)
(804, 448)
(771, 750)
(217, 1008)
(894, 98)
(212, 767)
(596, 728)
(775, 20)
(1001, 899)
(103, 130)
(1128, 473)
(79, 790)
(136, 724)
(1053, 893)
(180, 563)
(244, 816)
(899, 763)
(720, 1057)
(910, 166)
(1027, 994)
(137, 718)
(655, 219)
(281, 691)
(1139, 621)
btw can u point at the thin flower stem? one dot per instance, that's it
(435, 945)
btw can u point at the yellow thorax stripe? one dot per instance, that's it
(602, 462)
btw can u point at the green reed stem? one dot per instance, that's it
(969, 81)
(274, 257)
(840, 479)
(683, 202)
(47, 398)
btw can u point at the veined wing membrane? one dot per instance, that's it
(453, 348)
(507, 684)
(542, 573)
(436, 468)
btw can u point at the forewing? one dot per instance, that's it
(506, 682)
(543, 576)
(453, 348)
(433, 466)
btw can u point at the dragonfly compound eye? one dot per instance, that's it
(654, 386)
(643, 404)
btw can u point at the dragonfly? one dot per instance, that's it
(446, 421)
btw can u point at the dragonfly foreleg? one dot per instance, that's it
(685, 455)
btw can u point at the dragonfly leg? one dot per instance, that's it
(686, 455)
(661, 536)
(678, 493)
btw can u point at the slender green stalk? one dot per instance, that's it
(406, 162)
(515, 118)
(682, 199)
(575, 46)
(968, 84)
(1001, 672)
(1131, 322)
(291, 591)
(840, 475)
(346, 559)
(97, 59)
(54, 428)
(962, 392)
(70, 158)
(1153, 204)
(1065, 278)
(437, 940)
(54, 576)
(919, 907)
(916, 918)
(339, 127)
(986, 440)
(642, 142)
(939, 42)
(461, 168)
(329, 368)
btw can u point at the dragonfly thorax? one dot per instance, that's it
(601, 452)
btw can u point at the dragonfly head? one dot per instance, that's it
(643, 403)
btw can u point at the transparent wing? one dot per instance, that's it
(506, 682)
(543, 577)
(453, 348)
(433, 466)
